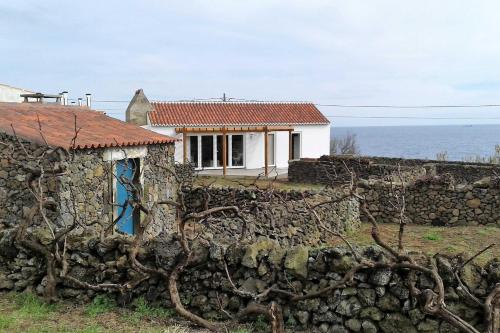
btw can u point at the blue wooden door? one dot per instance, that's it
(124, 171)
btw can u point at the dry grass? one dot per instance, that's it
(249, 182)
(428, 239)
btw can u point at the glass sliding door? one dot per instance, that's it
(270, 149)
(219, 150)
(237, 152)
(207, 151)
(193, 151)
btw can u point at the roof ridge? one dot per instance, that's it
(231, 102)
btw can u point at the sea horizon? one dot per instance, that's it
(459, 142)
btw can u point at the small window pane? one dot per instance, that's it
(193, 151)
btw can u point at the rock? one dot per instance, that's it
(388, 303)
(455, 212)
(445, 269)
(327, 317)
(400, 291)
(348, 307)
(372, 313)
(428, 325)
(367, 296)
(302, 317)
(381, 277)
(324, 327)
(473, 203)
(5, 283)
(369, 327)
(396, 323)
(338, 329)
(250, 257)
(416, 315)
(448, 328)
(199, 301)
(296, 261)
(470, 277)
(353, 324)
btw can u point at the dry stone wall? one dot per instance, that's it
(437, 193)
(281, 215)
(436, 204)
(376, 301)
(332, 169)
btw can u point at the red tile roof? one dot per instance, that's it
(58, 126)
(234, 113)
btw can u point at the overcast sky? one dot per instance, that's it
(329, 52)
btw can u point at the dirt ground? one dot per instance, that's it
(431, 240)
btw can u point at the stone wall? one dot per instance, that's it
(376, 301)
(279, 215)
(433, 202)
(332, 169)
(84, 192)
(15, 198)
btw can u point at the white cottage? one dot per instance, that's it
(231, 135)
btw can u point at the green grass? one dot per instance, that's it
(100, 304)
(27, 313)
(432, 236)
(143, 310)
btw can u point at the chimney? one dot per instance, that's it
(64, 99)
(138, 109)
(80, 101)
(88, 98)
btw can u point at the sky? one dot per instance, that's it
(350, 52)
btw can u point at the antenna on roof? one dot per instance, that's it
(224, 97)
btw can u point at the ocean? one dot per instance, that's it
(460, 142)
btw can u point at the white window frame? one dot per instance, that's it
(300, 141)
(214, 157)
(274, 146)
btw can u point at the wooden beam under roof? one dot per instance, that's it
(232, 129)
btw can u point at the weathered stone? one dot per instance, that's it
(250, 258)
(5, 282)
(367, 296)
(396, 323)
(369, 327)
(372, 313)
(349, 307)
(381, 277)
(353, 324)
(388, 303)
(296, 261)
(302, 317)
(473, 203)
(428, 325)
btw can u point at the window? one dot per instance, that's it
(193, 151)
(271, 149)
(207, 151)
(296, 146)
(237, 151)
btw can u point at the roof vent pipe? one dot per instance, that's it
(64, 99)
(80, 101)
(88, 98)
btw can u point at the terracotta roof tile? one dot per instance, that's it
(234, 113)
(58, 126)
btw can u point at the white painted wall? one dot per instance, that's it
(11, 94)
(315, 142)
